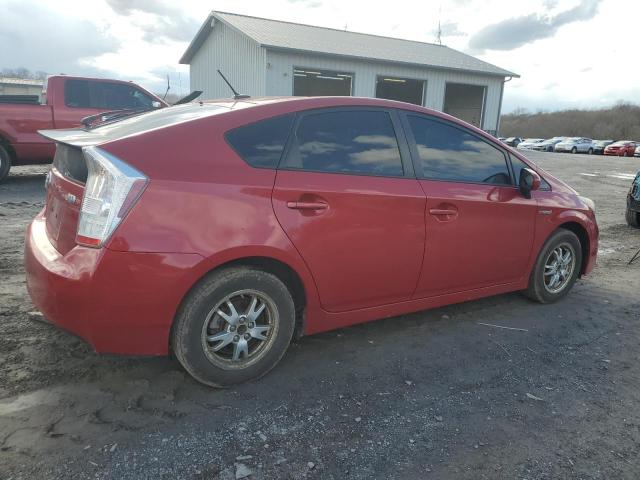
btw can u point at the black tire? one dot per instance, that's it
(5, 162)
(574, 150)
(537, 289)
(633, 218)
(550, 149)
(624, 154)
(188, 333)
(590, 152)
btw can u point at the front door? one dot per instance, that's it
(479, 227)
(342, 197)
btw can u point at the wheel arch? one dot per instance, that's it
(583, 236)
(299, 283)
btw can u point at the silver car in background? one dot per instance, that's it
(637, 153)
(529, 143)
(575, 145)
(548, 145)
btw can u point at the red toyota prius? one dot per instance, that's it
(220, 230)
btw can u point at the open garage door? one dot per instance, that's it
(321, 83)
(465, 102)
(401, 89)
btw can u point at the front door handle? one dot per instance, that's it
(307, 205)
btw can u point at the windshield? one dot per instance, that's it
(619, 144)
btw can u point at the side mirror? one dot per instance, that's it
(156, 104)
(528, 182)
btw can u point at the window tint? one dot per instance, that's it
(362, 142)
(518, 165)
(261, 144)
(446, 152)
(104, 95)
(76, 93)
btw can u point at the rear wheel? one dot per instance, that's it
(633, 218)
(557, 267)
(590, 152)
(624, 154)
(5, 162)
(574, 150)
(234, 326)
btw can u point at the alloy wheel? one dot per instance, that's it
(239, 330)
(559, 268)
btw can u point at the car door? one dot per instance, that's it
(479, 227)
(346, 195)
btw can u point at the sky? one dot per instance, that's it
(568, 53)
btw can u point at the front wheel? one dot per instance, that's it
(574, 150)
(557, 267)
(5, 162)
(633, 218)
(590, 152)
(234, 326)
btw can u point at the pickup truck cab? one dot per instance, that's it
(65, 101)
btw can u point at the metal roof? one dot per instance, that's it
(287, 36)
(21, 81)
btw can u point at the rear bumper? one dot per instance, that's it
(119, 302)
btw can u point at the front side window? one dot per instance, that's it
(518, 165)
(116, 96)
(358, 142)
(446, 152)
(76, 94)
(260, 144)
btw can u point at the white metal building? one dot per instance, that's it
(20, 86)
(274, 58)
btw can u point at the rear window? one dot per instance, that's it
(69, 161)
(261, 144)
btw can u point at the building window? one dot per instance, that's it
(321, 83)
(400, 89)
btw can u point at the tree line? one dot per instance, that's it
(23, 73)
(620, 122)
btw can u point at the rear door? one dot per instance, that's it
(346, 195)
(479, 227)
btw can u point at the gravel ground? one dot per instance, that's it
(428, 395)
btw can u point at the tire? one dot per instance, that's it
(624, 154)
(574, 150)
(197, 319)
(537, 289)
(5, 162)
(590, 152)
(633, 218)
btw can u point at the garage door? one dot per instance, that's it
(321, 83)
(465, 102)
(401, 89)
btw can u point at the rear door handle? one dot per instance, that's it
(307, 205)
(442, 212)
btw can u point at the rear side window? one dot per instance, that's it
(261, 144)
(76, 94)
(358, 142)
(105, 95)
(69, 161)
(446, 152)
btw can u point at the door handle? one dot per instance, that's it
(307, 205)
(442, 212)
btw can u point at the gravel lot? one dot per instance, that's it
(428, 395)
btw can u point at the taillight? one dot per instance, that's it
(111, 190)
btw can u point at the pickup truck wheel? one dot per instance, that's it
(557, 267)
(633, 218)
(5, 162)
(234, 326)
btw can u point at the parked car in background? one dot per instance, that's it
(513, 141)
(575, 145)
(633, 203)
(220, 258)
(502, 139)
(547, 145)
(637, 152)
(529, 143)
(66, 101)
(600, 145)
(621, 148)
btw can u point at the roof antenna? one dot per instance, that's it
(439, 34)
(168, 88)
(236, 95)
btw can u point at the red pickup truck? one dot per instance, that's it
(65, 101)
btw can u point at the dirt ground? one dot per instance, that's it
(434, 394)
